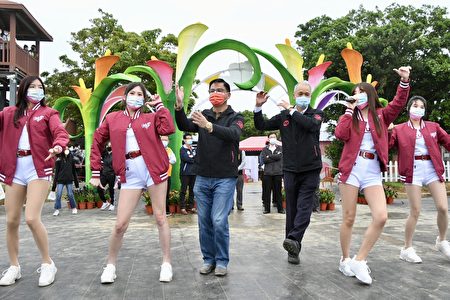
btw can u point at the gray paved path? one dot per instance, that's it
(258, 267)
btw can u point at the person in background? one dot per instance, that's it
(172, 161)
(363, 129)
(65, 176)
(420, 163)
(107, 177)
(141, 163)
(299, 130)
(272, 156)
(240, 180)
(187, 173)
(31, 134)
(219, 129)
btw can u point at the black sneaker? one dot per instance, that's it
(293, 259)
(293, 247)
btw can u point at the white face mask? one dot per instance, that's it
(135, 102)
(35, 95)
(165, 144)
(416, 112)
(272, 141)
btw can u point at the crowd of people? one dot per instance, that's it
(130, 150)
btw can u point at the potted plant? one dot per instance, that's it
(330, 202)
(148, 203)
(174, 199)
(390, 193)
(90, 199)
(81, 199)
(361, 198)
(323, 199)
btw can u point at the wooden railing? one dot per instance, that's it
(25, 63)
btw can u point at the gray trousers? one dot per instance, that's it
(239, 189)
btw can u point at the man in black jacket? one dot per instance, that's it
(107, 177)
(219, 129)
(299, 129)
(187, 173)
(272, 157)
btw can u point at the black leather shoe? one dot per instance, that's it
(293, 247)
(293, 259)
(240, 208)
(282, 212)
(266, 212)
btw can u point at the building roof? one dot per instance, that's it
(27, 27)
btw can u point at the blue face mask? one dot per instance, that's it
(189, 142)
(362, 98)
(135, 102)
(35, 95)
(302, 101)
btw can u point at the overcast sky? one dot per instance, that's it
(257, 23)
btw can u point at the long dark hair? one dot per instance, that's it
(22, 101)
(373, 103)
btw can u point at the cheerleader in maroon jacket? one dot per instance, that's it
(31, 134)
(420, 163)
(363, 129)
(140, 161)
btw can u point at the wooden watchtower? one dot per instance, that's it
(17, 24)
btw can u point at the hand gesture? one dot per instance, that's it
(284, 104)
(261, 98)
(155, 100)
(199, 119)
(96, 182)
(179, 93)
(53, 152)
(403, 72)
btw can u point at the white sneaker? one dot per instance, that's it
(109, 274)
(74, 211)
(10, 275)
(443, 246)
(111, 207)
(56, 213)
(104, 206)
(48, 272)
(361, 270)
(344, 267)
(409, 255)
(166, 272)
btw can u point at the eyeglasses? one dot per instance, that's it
(217, 91)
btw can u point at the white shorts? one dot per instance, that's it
(365, 173)
(137, 174)
(424, 173)
(26, 172)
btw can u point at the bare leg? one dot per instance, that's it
(349, 194)
(377, 203)
(439, 195)
(37, 191)
(158, 194)
(15, 195)
(415, 203)
(128, 200)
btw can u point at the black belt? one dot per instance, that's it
(422, 157)
(366, 154)
(133, 154)
(22, 153)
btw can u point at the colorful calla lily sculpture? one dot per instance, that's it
(94, 105)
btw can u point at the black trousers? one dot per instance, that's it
(300, 192)
(272, 185)
(109, 180)
(187, 181)
(239, 190)
(167, 196)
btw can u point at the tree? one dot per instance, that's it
(249, 126)
(105, 33)
(396, 36)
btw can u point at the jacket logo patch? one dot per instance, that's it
(317, 117)
(433, 134)
(240, 124)
(286, 123)
(38, 119)
(146, 125)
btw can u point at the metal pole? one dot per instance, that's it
(12, 91)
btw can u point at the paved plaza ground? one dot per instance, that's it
(258, 268)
